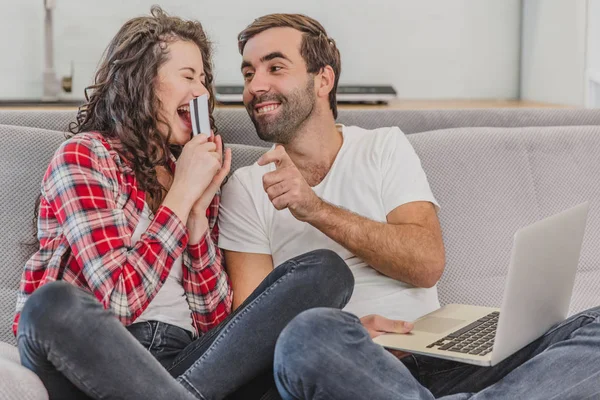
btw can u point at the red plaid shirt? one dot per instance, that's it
(90, 207)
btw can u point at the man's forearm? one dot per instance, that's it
(406, 252)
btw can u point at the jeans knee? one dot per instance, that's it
(50, 306)
(311, 330)
(296, 350)
(307, 339)
(331, 274)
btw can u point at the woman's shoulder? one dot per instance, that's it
(85, 142)
(87, 147)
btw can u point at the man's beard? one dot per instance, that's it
(293, 111)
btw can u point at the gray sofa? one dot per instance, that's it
(236, 127)
(492, 171)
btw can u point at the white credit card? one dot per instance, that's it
(199, 115)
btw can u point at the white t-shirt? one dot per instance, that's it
(170, 304)
(373, 173)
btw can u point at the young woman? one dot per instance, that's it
(127, 296)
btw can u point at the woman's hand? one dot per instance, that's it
(197, 166)
(197, 222)
(200, 206)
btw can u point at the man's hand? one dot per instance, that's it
(377, 325)
(287, 188)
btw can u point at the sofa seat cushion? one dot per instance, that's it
(18, 383)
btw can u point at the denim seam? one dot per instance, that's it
(153, 335)
(421, 374)
(591, 377)
(591, 315)
(190, 388)
(183, 357)
(564, 323)
(246, 310)
(80, 381)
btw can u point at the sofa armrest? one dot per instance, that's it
(9, 352)
(16, 381)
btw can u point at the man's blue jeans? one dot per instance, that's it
(562, 364)
(80, 350)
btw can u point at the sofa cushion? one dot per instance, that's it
(492, 181)
(26, 153)
(19, 383)
(54, 120)
(236, 127)
(242, 155)
(415, 121)
(9, 352)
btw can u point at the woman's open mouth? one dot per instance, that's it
(184, 115)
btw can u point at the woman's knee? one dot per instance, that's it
(52, 304)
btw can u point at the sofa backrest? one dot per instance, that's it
(492, 181)
(24, 157)
(236, 127)
(489, 182)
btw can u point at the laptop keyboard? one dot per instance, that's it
(476, 338)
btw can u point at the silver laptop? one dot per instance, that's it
(537, 295)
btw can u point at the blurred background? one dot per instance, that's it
(432, 53)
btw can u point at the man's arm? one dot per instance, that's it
(408, 248)
(246, 271)
(242, 238)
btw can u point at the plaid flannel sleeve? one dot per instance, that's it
(81, 186)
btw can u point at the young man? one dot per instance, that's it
(360, 193)
(364, 195)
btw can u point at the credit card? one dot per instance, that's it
(199, 115)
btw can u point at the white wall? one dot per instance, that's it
(428, 49)
(593, 55)
(554, 51)
(593, 43)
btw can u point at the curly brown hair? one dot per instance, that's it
(317, 49)
(122, 103)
